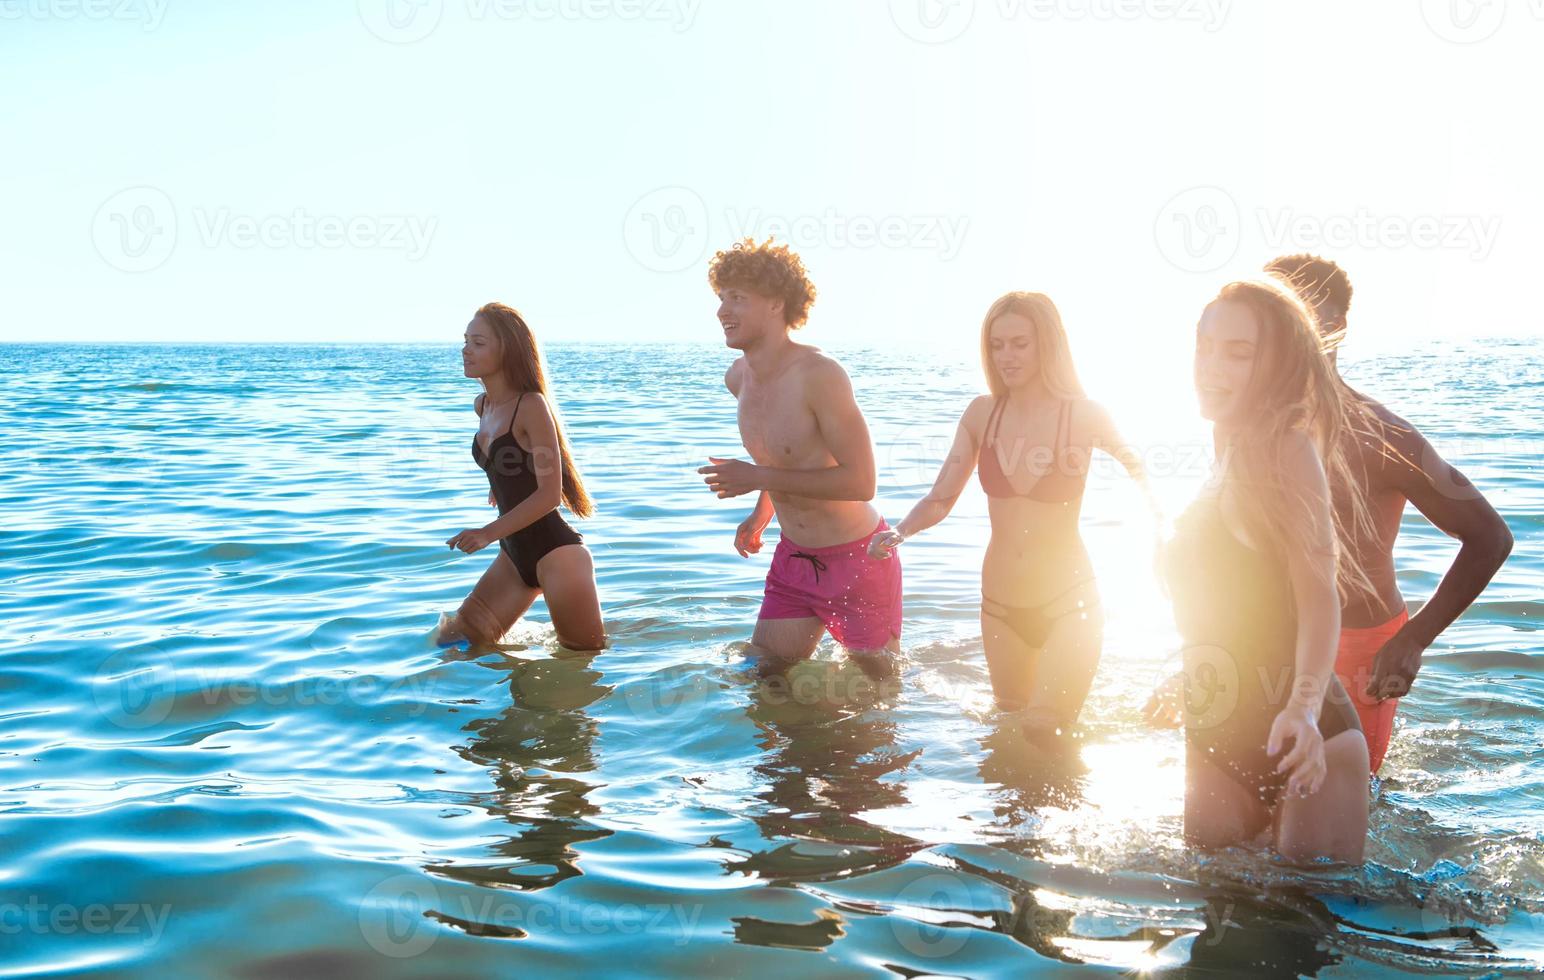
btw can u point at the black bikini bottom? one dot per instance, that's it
(531, 544)
(1236, 746)
(1032, 624)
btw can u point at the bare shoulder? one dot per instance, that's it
(732, 376)
(532, 407)
(1091, 409)
(1390, 449)
(477, 403)
(981, 406)
(1396, 429)
(813, 359)
(976, 413)
(821, 372)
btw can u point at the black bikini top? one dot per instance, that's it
(509, 465)
(1226, 593)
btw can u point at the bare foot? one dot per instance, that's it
(449, 632)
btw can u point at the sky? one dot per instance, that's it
(374, 170)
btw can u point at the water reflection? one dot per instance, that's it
(830, 741)
(537, 750)
(1248, 936)
(826, 929)
(1029, 774)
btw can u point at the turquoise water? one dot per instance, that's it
(231, 749)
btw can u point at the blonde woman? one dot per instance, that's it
(1033, 437)
(1271, 740)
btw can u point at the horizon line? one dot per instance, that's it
(897, 342)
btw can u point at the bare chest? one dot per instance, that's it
(776, 425)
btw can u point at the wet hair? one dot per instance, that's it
(775, 271)
(1054, 355)
(523, 367)
(1322, 285)
(1293, 387)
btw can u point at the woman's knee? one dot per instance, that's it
(1210, 827)
(588, 636)
(479, 623)
(1331, 824)
(1335, 845)
(1219, 812)
(1347, 751)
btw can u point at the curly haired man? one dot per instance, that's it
(812, 466)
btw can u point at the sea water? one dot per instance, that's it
(231, 748)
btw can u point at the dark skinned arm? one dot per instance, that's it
(1445, 497)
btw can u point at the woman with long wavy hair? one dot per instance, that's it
(1256, 570)
(520, 444)
(1033, 437)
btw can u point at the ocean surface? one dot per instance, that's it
(230, 748)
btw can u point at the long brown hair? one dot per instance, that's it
(1294, 387)
(1052, 350)
(524, 369)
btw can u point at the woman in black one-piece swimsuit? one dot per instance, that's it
(521, 447)
(1271, 738)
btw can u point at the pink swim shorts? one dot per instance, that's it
(856, 597)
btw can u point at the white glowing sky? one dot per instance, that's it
(1018, 144)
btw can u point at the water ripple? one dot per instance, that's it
(230, 747)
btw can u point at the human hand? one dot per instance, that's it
(471, 540)
(1395, 666)
(882, 544)
(1304, 762)
(730, 477)
(747, 537)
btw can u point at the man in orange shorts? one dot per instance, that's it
(1380, 645)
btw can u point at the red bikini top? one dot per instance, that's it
(1061, 478)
